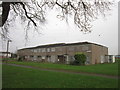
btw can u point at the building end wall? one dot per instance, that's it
(99, 54)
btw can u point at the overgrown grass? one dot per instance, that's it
(108, 69)
(19, 77)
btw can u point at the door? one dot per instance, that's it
(61, 58)
(102, 59)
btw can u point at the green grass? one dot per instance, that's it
(108, 69)
(117, 60)
(19, 77)
(0, 76)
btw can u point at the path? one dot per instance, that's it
(65, 71)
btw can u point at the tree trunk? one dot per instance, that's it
(5, 12)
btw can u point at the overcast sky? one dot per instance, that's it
(104, 32)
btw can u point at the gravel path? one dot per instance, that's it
(65, 71)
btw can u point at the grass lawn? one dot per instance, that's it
(19, 77)
(117, 60)
(108, 69)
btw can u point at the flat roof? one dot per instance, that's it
(62, 44)
(5, 52)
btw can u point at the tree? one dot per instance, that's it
(80, 58)
(33, 12)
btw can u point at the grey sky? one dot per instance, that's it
(104, 32)
(119, 28)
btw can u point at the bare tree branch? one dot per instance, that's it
(83, 11)
(26, 13)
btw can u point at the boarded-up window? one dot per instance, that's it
(53, 58)
(39, 56)
(35, 57)
(39, 50)
(43, 57)
(87, 60)
(71, 48)
(34, 50)
(59, 49)
(31, 56)
(43, 50)
(53, 49)
(84, 48)
(48, 49)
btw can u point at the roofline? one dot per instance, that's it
(6, 52)
(62, 44)
(80, 43)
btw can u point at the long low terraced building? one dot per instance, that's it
(64, 53)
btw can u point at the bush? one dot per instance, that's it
(80, 58)
(21, 58)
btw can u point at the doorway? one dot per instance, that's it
(61, 58)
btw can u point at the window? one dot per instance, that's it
(39, 50)
(59, 49)
(32, 50)
(35, 57)
(39, 56)
(31, 56)
(43, 50)
(53, 49)
(48, 49)
(71, 48)
(85, 48)
(78, 47)
(88, 60)
(43, 57)
(26, 56)
(35, 50)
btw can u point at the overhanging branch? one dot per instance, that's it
(27, 14)
(5, 12)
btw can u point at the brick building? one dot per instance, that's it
(64, 53)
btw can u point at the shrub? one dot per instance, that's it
(21, 58)
(80, 58)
